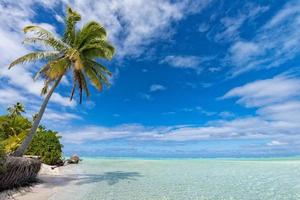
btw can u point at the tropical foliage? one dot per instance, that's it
(75, 52)
(14, 128)
(46, 144)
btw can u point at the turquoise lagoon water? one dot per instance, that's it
(180, 179)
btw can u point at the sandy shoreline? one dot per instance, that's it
(50, 182)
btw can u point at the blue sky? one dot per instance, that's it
(191, 79)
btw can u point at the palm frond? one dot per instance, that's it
(39, 31)
(81, 83)
(73, 90)
(57, 68)
(71, 20)
(89, 32)
(42, 71)
(94, 78)
(45, 88)
(104, 46)
(93, 53)
(84, 84)
(104, 79)
(47, 37)
(34, 56)
(100, 67)
(52, 42)
(99, 73)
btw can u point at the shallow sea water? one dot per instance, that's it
(191, 179)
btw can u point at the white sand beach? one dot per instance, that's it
(51, 180)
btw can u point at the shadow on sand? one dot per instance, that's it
(111, 178)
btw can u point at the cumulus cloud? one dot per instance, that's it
(157, 87)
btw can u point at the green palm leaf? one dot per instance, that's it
(51, 42)
(34, 56)
(89, 32)
(71, 20)
(100, 67)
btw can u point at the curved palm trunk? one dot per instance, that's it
(22, 149)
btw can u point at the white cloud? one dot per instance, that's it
(145, 96)
(214, 69)
(132, 25)
(277, 101)
(56, 116)
(276, 143)
(9, 96)
(203, 27)
(264, 92)
(242, 51)
(226, 114)
(64, 101)
(229, 30)
(185, 62)
(157, 87)
(277, 117)
(273, 44)
(285, 111)
(244, 128)
(291, 9)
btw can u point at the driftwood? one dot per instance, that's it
(72, 160)
(31, 156)
(19, 172)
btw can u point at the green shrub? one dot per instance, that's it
(46, 144)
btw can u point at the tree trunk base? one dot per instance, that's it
(19, 172)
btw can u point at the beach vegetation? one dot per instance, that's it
(46, 144)
(14, 128)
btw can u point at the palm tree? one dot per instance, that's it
(16, 110)
(77, 52)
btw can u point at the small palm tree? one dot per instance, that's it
(16, 110)
(13, 112)
(77, 52)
